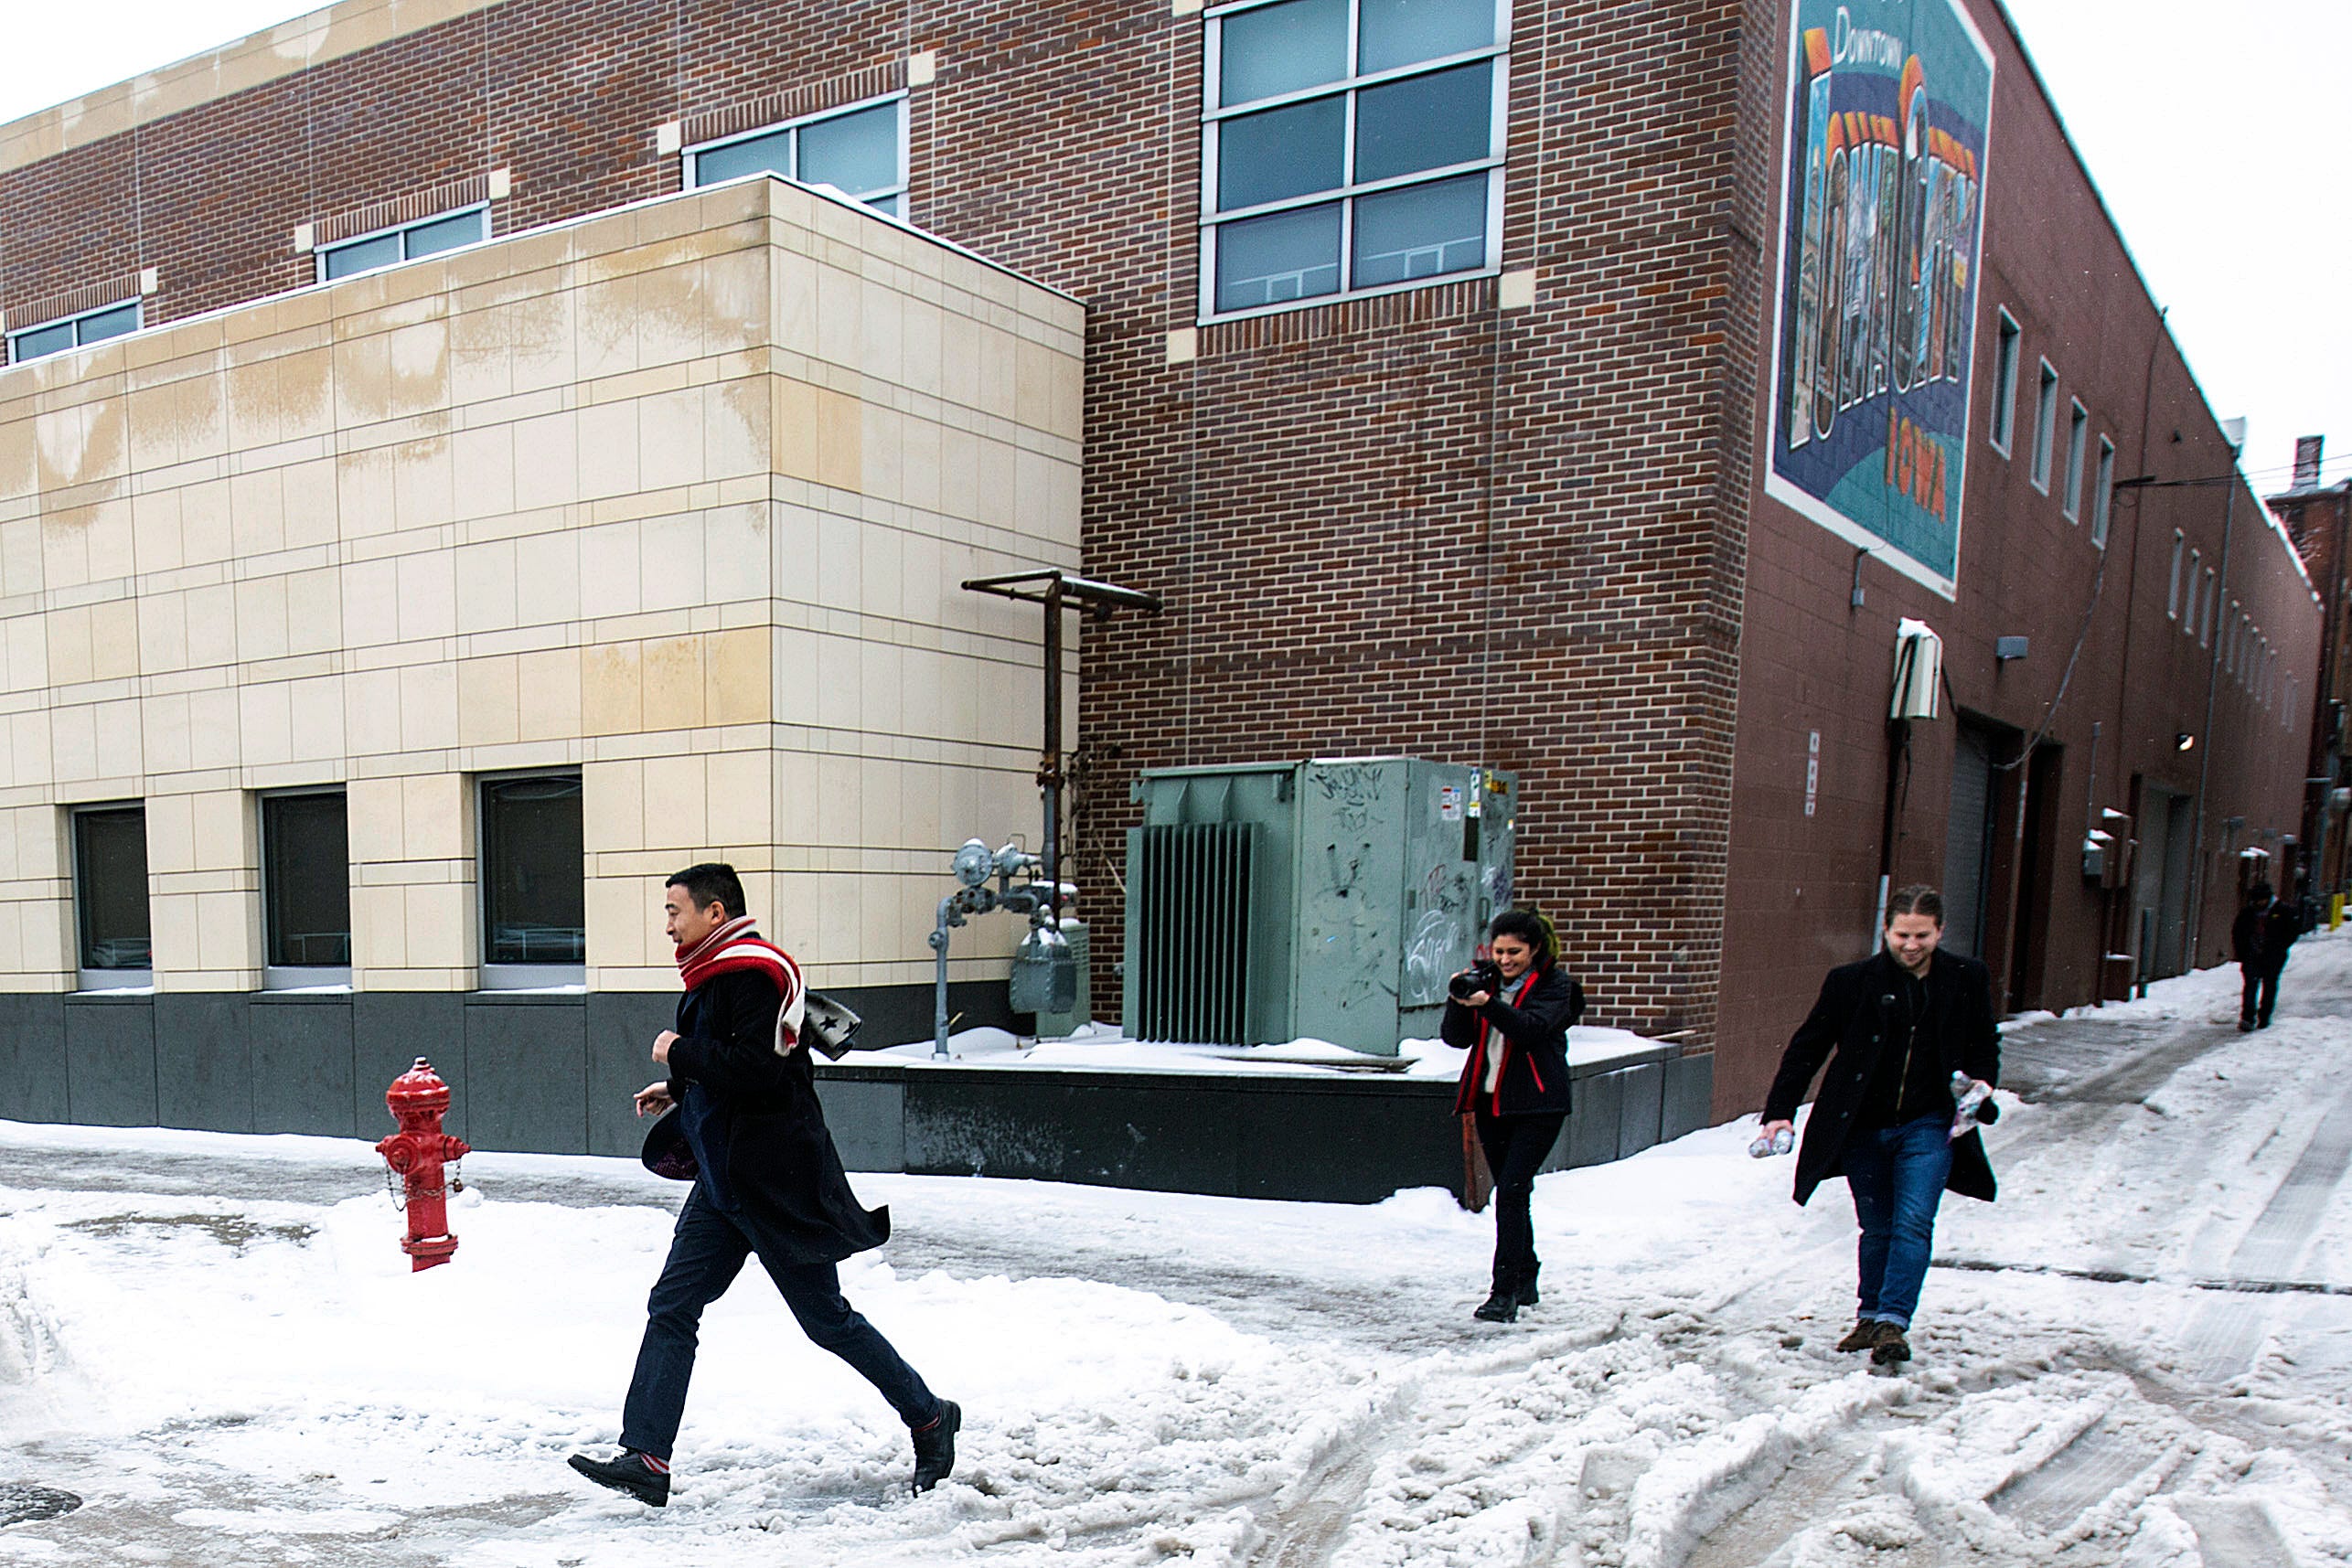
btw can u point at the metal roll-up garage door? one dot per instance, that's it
(1969, 844)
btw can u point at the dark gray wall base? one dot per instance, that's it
(555, 1074)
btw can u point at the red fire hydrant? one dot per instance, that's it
(416, 1154)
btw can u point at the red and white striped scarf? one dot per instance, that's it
(737, 945)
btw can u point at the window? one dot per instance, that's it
(2078, 437)
(859, 151)
(2196, 592)
(2045, 428)
(305, 890)
(391, 247)
(2102, 496)
(2211, 598)
(73, 332)
(110, 896)
(534, 886)
(1349, 146)
(2005, 386)
(2172, 595)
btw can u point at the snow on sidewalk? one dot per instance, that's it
(259, 1379)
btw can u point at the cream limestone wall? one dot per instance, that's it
(679, 496)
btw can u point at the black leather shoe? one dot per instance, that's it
(935, 1445)
(1501, 1306)
(1527, 1297)
(629, 1472)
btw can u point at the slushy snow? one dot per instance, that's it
(216, 1342)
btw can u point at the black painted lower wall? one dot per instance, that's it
(555, 1074)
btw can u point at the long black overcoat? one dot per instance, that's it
(1862, 1012)
(755, 1129)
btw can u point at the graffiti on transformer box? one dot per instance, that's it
(1890, 102)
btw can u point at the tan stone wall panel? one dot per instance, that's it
(680, 497)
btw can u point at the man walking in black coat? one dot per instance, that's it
(748, 1131)
(2260, 939)
(1900, 1024)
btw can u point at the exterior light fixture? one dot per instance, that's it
(2183, 741)
(2007, 648)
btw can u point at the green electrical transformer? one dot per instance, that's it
(1326, 899)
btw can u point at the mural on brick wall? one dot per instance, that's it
(1889, 103)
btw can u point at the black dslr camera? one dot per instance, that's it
(1481, 976)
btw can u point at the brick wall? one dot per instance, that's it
(1418, 524)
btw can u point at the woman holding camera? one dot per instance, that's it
(1512, 1013)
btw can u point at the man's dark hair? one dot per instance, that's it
(1917, 899)
(713, 881)
(1531, 929)
(2260, 892)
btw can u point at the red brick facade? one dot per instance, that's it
(1422, 523)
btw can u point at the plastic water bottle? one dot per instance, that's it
(1781, 1141)
(1973, 1105)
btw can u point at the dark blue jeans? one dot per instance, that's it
(1897, 1176)
(705, 1254)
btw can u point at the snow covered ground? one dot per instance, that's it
(2140, 1356)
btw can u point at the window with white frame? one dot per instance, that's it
(2172, 595)
(2045, 428)
(2005, 386)
(110, 895)
(1349, 147)
(534, 889)
(859, 151)
(305, 889)
(2102, 496)
(73, 331)
(2078, 442)
(407, 243)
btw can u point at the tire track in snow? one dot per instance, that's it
(2097, 1464)
(2232, 1534)
(2226, 1329)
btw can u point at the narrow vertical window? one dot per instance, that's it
(2005, 386)
(2172, 595)
(534, 884)
(2196, 592)
(2212, 598)
(2045, 428)
(2078, 441)
(2102, 496)
(305, 890)
(110, 897)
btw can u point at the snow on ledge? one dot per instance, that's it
(1101, 1048)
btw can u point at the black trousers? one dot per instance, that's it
(706, 1253)
(1515, 1147)
(2261, 994)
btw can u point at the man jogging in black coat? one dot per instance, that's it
(748, 1131)
(1901, 1023)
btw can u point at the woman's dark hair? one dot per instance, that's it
(711, 883)
(1531, 928)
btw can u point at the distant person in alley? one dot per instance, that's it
(739, 1117)
(1902, 1032)
(2260, 938)
(1511, 1011)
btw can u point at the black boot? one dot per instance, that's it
(1527, 1297)
(1502, 1303)
(935, 1445)
(628, 1471)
